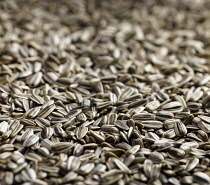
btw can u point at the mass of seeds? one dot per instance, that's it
(105, 92)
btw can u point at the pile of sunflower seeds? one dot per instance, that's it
(105, 92)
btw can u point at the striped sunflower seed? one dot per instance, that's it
(176, 153)
(164, 115)
(156, 157)
(152, 124)
(204, 118)
(122, 166)
(29, 132)
(143, 116)
(81, 132)
(201, 178)
(192, 163)
(122, 125)
(204, 126)
(173, 107)
(62, 147)
(47, 132)
(180, 129)
(153, 105)
(30, 140)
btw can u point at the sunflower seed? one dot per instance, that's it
(63, 147)
(47, 132)
(152, 124)
(201, 178)
(87, 168)
(180, 129)
(122, 166)
(173, 107)
(137, 103)
(30, 140)
(148, 164)
(156, 157)
(164, 115)
(122, 97)
(26, 134)
(3, 127)
(153, 105)
(81, 132)
(191, 164)
(143, 116)
(73, 163)
(204, 126)
(121, 125)
(69, 177)
(176, 153)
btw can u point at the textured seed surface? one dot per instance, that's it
(105, 92)
(31, 140)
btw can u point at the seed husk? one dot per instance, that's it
(81, 132)
(30, 140)
(156, 157)
(153, 105)
(143, 116)
(47, 132)
(69, 177)
(204, 126)
(87, 168)
(137, 103)
(173, 107)
(29, 132)
(170, 123)
(176, 153)
(73, 163)
(121, 125)
(104, 92)
(62, 147)
(3, 127)
(204, 118)
(192, 163)
(152, 124)
(147, 167)
(164, 115)
(201, 178)
(180, 129)
(122, 166)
